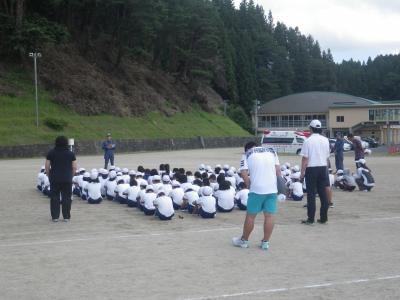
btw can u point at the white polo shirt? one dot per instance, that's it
(133, 192)
(226, 198)
(242, 195)
(94, 190)
(148, 200)
(164, 205)
(177, 195)
(316, 149)
(207, 204)
(191, 196)
(261, 162)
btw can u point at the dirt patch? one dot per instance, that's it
(94, 86)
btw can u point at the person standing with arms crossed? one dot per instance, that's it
(259, 170)
(339, 152)
(314, 170)
(108, 147)
(60, 165)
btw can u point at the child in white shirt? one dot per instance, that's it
(176, 194)
(242, 196)
(206, 203)
(110, 185)
(148, 201)
(120, 190)
(132, 193)
(164, 208)
(94, 189)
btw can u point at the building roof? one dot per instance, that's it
(312, 102)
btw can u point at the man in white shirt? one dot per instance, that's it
(314, 168)
(262, 164)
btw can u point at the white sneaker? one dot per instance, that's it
(66, 220)
(264, 245)
(238, 242)
(55, 220)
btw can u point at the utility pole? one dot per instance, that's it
(35, 56)
(256, 108)
(225, 106)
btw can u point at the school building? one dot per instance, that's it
(337, 112)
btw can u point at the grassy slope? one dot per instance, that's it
(17, 120)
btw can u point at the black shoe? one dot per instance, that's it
(307, 222)
(322, 222)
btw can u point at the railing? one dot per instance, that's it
(288, 124)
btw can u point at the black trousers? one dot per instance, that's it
(60, 191)
(317, 179)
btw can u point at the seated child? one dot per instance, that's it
(176, 194)
(225, 197)
(191, 195)
(110, 185)
(363, 177)
(148, 201)
(132, 193)
(242, 196)
(164, 208)
(206, 203)
(93, 189)
(120, 190)
(296, 188)
(85, 182)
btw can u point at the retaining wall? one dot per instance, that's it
(123, 146)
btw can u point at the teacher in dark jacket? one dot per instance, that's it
(339, 152)
(60, 165)
(108, 147)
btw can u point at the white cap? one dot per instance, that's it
(42, 168)
(230, 173)
(287, 164)
(125, 170)
(139, 174)
(207, 190)
(104, 172)
(296, 168)
(202, 167)
(283, 168)
(149, 187)
(226, 167)
(339, 171)
(208, 168)
(81, 170)
(132, 172)
(218, 166)
(156, 177)
(315, 124)
(94, 175)
(189, 186)
(295, 175)
(94, 170)
(113, 174)
(143, 183)
(86, 175)
(119, 173)
(117, 169)
(166, 178)
(112, 168)
(175, 183)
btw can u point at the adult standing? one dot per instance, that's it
(259, 170)
(358, 148)
(60, 165)
(315, 152)
(108, 147)
(339, 151)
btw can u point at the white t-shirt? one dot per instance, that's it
(40, 179)
(94, 190)
(121, 188)
(164, 205)
(177, 195)
(207, 204)
(316, 149)
(191, 196)
(148, 200)
(232, 180)
(215, 186)
(185, 185)
(166, 188)
(261, 162)
(297, 189)
(242, 195)
(157, 186)
(132, 193)
(84, 187)
(141, 195)
(110, 187)
(226, 198)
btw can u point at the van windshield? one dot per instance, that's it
(277, 140)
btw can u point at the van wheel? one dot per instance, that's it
(298, 151)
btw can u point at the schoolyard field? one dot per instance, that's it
(110, 251)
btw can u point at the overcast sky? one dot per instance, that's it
(350, 28)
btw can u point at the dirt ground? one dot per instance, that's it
(111, 251)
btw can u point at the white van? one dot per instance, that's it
(284, 141)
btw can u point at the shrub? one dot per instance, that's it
(55, 124)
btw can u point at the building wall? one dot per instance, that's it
(352, 116)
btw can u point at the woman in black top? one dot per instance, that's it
(60, 165)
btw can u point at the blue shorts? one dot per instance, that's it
(261, 203)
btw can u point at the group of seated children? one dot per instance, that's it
(362, 178)
(161, 192)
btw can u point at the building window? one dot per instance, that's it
(340, 119)
(371, 115)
